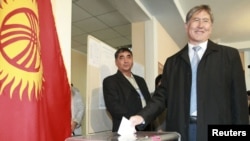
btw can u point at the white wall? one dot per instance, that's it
(247, 70)
(62, 15)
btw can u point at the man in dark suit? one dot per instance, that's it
(220, 84)
(125, 93)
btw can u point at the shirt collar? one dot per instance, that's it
(203, 45)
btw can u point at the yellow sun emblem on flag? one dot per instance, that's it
(21, 70)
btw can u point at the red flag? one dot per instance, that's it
(34, 88)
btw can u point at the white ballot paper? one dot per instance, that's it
(126, 130)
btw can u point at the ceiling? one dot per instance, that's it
(101, 20)
(110, 20)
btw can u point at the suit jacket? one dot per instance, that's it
(221, 91)
(121, 98)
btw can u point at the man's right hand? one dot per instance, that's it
(136, 120)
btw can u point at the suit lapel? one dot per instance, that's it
(123, 80)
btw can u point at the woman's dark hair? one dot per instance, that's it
(158, 80)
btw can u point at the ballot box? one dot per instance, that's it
(140, 136)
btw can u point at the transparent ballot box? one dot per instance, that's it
(140, 136)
